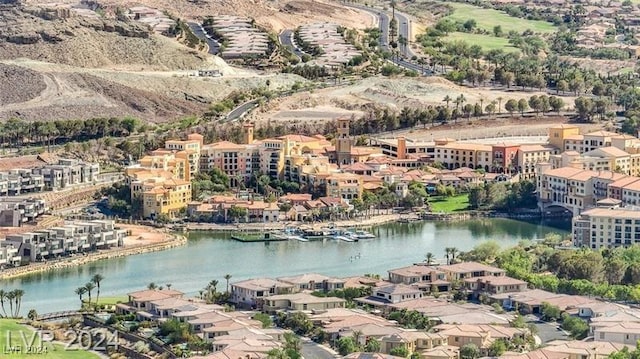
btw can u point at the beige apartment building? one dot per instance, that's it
(606, 228)
(455, 155)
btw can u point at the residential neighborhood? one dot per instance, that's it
(451, 325)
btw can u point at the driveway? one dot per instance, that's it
(547, 331)
(313, 350)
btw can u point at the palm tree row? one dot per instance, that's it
(94, 283)
(450, 253)
(13, 297)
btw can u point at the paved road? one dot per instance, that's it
(403, 29)
(313, 350)
(239, 111)
(198, 30)
(286, 39)
(547, 331)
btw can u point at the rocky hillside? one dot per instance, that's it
(31, 95)
(64, 37)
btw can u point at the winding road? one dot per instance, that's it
(286, 39)
(241, 110)
(198, 30)
(404, 29)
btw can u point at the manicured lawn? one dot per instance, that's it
(487, 42)
(488, 18)
(449, 204)
(111, 300)
(53, 351)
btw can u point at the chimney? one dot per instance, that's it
(402, 148)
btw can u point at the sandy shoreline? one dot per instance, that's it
(142, 240)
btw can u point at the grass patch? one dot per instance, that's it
(54, 351)
(487, 42)
(457, 203)
(488, 18)
(112, 300)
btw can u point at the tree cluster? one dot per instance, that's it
(503, 196)
(612, 274)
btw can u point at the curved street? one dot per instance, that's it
(286, 39)
(404, 29)
(198, 30)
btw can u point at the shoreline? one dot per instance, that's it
(366, 222)
(172, 241)
(176, 239)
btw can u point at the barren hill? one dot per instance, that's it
(50, 96)
(57, 36)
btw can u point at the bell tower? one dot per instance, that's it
(247, 134)
(343, 142)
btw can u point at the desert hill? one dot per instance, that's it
(59, 36)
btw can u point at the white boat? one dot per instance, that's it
(297, 238)
(364, 235)
(344, 238)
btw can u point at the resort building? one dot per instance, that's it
(384, 296)
(574, 189)
(73, 237)
(217, 209)
(238, 162)
(425, 277)
(165, 197)
(465, 270)
(453, 155)
(64, 173)
(347, 186)
(14, 212)
(252, 292)
(494, 285)
(313, 282)
(192, 146)
(606, 228)
(528, 156)
(301, 302)
(176, 163)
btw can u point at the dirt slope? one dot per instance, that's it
(50, 96)
(43, 34)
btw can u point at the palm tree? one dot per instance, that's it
(459, 101)
(499, 98)
(227, 277)
(168, 285)
(393, 9)
(18, 294)
(89, 287)
(10, 296)
(447, 252)
(152, 286)
(429, 258)
(214, 285)
(80, 291)
(3, 296)
(97, 278)
(447, 99)
(454, 251)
